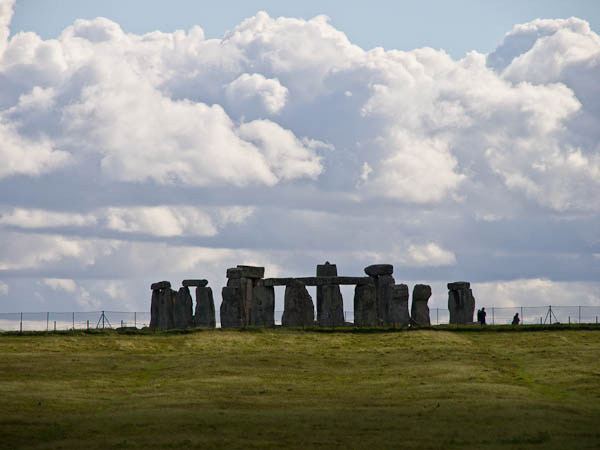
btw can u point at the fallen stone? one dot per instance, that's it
(365, 305)
(252, 271)
(234, 273)
(377, 270)
(299, 309)
(189, 283)
(204, 316)
(419, 311)
(231, 308)
(160, 285)
(262, 312)
(182, 309)
(398, 306)
(461, 303)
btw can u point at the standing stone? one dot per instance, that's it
(398, 306)
(299, 309)
(263, 307)
(419, 311)
(365, 305)
(330, 304)
(154, 308)
(205, 308)
(245, 278)
(182, 309)
(231, 308)
(384, 285)
(166, 301)
(461, 302)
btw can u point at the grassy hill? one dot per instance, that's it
(424, 389)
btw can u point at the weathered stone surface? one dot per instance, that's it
(160, 285)
(233, 273)
(262, 313)
(331, 311)
(246, 286)
(383, 286)
(326, 270)
(189, 283)
(252, 271)
(377, 270)
(461, 302)
(317, 281)
(204, 315)
(398, 306)
(166, 301)
(182, 309)
(419, 311)
(457, 285)
(234, 282)
(154, 308)
(299, 309)
(231, 308)
(365, 305)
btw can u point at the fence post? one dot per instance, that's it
(579, 321)
(55, 326)
(47, 321)
(103, 319)
(437, 316)
(73, 319)
(135, 319)
(493, 323)
(88, 324)
(21, 324)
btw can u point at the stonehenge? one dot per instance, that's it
(170, 309)
(248, 299)
(461, 302)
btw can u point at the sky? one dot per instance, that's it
(142, 142)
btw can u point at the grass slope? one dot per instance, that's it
(293, 389)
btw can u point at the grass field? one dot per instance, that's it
(424, 389)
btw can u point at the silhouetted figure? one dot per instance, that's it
(516, 320)
(483, 314)
(479, 316)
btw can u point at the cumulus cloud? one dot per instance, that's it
(4, 289)
(294, 152)
(64, 284)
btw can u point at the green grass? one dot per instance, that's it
(425, 389)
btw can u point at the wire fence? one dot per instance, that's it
(59, 321)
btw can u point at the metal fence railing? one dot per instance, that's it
(55, 321)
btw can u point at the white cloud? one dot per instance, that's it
(6, 12)
(161, 221)
(235, 214)
(248, 89)
(430, 254)
(64, 284)
(4, 288)
(39, 218)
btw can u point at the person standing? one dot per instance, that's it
(516, 319)
(483, 314)
(479, 316)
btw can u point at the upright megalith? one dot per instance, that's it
(246, 279)
(299, 309)
(419, 311)
(384, 282)
(330, 304)
(204, 315)
(398, 306)
(161, 306)
(461, 302)
(262, 313)
(182, 309)
(365, 305)
(232, 309)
